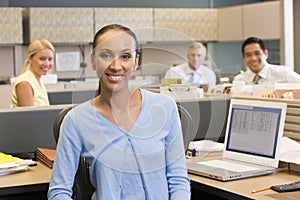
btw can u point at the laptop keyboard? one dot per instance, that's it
(227, 165)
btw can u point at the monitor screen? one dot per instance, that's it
(247, 124)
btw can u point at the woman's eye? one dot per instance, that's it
(126, 56)
(105, 56)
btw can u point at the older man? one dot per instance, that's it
(194, 71)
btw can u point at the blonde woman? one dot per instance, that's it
(29, 90)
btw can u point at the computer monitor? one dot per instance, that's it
(24, 129)
(209, 117)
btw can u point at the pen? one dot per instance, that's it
(260, 190)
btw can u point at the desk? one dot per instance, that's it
(32, 184)
(241, 189)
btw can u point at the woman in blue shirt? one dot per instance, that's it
(131, 138)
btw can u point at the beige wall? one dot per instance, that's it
(6, 62)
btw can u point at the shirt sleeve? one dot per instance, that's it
(292, 76)
(66, 161)
(212, 79)
(170, 73)
(178, 181)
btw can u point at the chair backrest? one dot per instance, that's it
(186, 125)
(82, 188)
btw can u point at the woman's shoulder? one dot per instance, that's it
(26, 76)
(81, 109)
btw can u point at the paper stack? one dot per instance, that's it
(46, 156)
(10, 164)
(290, 153)
(206, 147)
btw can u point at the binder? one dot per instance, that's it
(46, 156)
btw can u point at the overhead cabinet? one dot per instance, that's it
(59, 25)
(240, 22)
(262, 20)
(176, 24)
(11, 26)
(231, 24)
(140, 20)
(78, 25)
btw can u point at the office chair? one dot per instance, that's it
(82, 188)
(186, 125)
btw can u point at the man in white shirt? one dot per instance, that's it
(194, 71)
(260, 71)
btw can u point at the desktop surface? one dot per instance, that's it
(37, 179)
(31, 184)
(242, 189)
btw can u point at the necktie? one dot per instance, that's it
(256, 79)
(192, 78)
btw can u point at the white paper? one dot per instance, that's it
(206, 145)
(290, 151)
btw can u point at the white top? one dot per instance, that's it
(270, 74)
(203, 75)
(40, 95)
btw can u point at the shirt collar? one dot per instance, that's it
(262, 73)
(190, 71)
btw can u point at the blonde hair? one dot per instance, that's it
(34, 47)
(197, 45)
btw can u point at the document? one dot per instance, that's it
(10, 164)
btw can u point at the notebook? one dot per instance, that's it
(46, 156)
(252, 142)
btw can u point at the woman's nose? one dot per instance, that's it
(115, 64)
(48, 63)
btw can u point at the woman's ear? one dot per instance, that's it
(93, 62)
(136, 64)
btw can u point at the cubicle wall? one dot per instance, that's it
(70, 97)
(25, 129)
(208, 118)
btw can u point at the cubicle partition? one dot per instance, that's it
(22, 130)
(208, 117)
(70, 97)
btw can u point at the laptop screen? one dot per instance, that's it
(255, 128)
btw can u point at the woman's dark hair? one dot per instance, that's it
(114, 27)
(252, 40)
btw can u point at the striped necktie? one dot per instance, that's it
(256, 79)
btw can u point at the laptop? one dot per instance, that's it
(252, 142)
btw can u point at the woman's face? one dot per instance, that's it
(114, 59)
(41, 62)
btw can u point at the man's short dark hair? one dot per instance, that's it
(252, 40)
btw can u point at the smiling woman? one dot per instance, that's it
(131, 138)
(28, 89)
